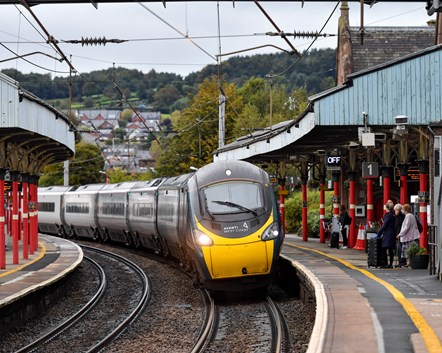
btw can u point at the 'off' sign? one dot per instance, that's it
(333, 162)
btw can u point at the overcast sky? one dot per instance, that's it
(156, 34)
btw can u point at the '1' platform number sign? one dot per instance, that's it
(370, 170)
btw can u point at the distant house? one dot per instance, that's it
(99, 119)
(141, 120)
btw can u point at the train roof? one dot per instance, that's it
(148, 184)
(90, 187)
(177, 180)
(229, 170)
(54, 189)
(123, 186)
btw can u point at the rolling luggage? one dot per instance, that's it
(375, 255)
(334, 240)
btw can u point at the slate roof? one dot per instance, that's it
(382, 44)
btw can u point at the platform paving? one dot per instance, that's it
(54, 259)
(361, 309)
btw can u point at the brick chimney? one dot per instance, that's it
(344, 53)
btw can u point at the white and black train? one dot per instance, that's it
(221, 222)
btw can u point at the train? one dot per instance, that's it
(220, 222)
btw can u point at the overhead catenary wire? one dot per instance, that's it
(50, 38)
(176, 30)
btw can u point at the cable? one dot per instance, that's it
(176, 30)
(30, 62)
(50, 38)
(314, 40)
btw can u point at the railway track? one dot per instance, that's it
(107, 314)
(251, 326)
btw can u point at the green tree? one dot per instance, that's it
(165, 97)
(198, 130)
(258, 113)
(84, 168)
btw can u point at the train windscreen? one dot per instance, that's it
(233, 197)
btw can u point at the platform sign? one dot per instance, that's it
(370, 170)
(333, 162)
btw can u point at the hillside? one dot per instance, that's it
(167, 92)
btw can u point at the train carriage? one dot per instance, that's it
(172, 214)
(236, 225)
(80, 211)
(50, 215)
(112, 212)
(142, 213)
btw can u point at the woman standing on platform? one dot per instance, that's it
(399, 219)
(409, 232)
(388, 233)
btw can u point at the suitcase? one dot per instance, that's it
(375, 254)
(334, 240)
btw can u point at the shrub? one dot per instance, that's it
(293, 213)
(415, 249)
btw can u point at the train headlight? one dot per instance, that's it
(271, 232)
(202, 239)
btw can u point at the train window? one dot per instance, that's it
(46, 206)
(113, 208)
(233, 197)
(143, 209)
(77, 207)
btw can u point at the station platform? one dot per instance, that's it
(367, 310)
(54, 259)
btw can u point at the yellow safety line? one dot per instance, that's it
(429, 336)
(42, 253)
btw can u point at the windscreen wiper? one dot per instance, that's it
(232, 204)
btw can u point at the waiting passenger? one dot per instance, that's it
(409, 232)
(388, 234)
(399, 219)
(345, 221)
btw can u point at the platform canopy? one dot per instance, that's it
(32, 133)
(371, 100)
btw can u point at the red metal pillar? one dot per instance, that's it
(25, 216)
(370, 211)
(423, 199)
(403, 171)
(282, 193)
(33, 225)
(304, 209)
(2, 220)
(322, 188)
(336, 198)
(352, 200)
(15, 225)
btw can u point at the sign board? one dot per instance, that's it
(368, 139)
(370, 170)
(333, 162)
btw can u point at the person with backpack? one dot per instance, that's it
(345, 221)
(409, 231)
(388, 234)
